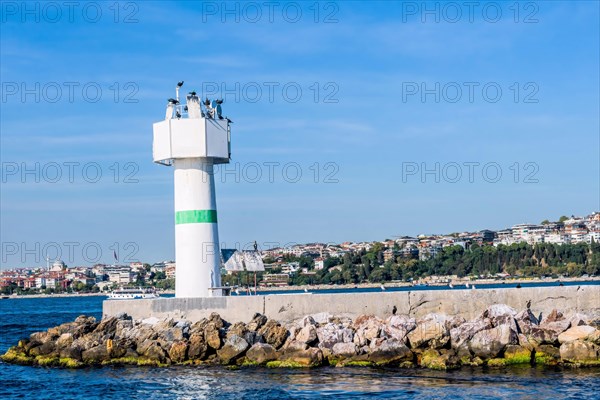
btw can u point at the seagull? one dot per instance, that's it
(450, 285)
(192, 93)
(394, 310)
(382, 287)
(180, 84)
(305, 290)
(473, 287)
(173, 101)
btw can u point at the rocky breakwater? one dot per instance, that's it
(500, 336)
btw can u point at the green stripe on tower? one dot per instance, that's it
(196, 217)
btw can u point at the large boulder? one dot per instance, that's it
(95, 355)
(310, 357)
(344, 350)
(332, 333)
(398, 326)
(155, 353)
(438, 359)
(431, 331)
(307, 335)
(389, 351)
(239, 329)
(233, 348)
(178, 351)
(273, 333)
(580, 351)
(258, 320)
(45, 349)
(526, 320)
(490, 343)
(367, 329)
(580, 332)
(460, 335)
(212, 335)
(198, 347)
(261, 353)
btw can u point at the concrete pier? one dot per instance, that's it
(287, 307)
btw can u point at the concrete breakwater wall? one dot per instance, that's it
(288, 307)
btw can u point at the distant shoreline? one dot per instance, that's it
(457, 282)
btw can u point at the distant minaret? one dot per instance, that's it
(192, 144)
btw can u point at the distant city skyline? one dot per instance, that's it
(353, 123)
(588, 233)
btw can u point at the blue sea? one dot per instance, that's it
(21, 317)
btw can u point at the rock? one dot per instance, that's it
(233, 348)
(258, 320)
(212, 335)
(72, 352)
(123, 327)
(155, 353)
(577, 351)
(65, 340)
(463, 333)
(239, 329)
(95, 355)
(141, 333)
(143, 346)
(578, 319)
(556, 326)
(311, 357)
(389, 351)
(307, 335)
(431, 331)
(547, 355)
(253, 337)
(330, 334)
(121, 347)
(398, 326)
(216, 320)
(554, 316)
(367, 329)
(44, 349)
(525, 320)
(40, 337)
(434, 359)
(539, 336)
(274, 333)
(178, 351)
(198, 348)
(344, 349)
(261, 353)
(308, 320)
(489, 343)
(107, 327)
(295, 345)
(580, 332)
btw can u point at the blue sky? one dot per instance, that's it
(363, 130)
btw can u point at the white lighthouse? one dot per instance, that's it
(192, 138)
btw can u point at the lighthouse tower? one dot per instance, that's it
(192, 139)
